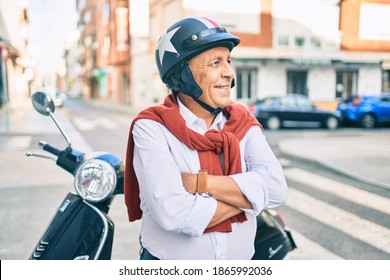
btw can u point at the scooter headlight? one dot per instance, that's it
(95, 180)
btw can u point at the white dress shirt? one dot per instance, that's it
(174, 220)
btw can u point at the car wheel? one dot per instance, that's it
(332, 123)
(368, 121)
(273, 123)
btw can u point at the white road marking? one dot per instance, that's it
(114, 122)
(309, 250)
(339, 189)
(364, 230)
(83, 123)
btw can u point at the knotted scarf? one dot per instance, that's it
(209, 147)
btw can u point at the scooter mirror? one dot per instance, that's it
(43, 103)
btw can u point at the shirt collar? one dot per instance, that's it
(193, 122)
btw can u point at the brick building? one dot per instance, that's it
(104, 49)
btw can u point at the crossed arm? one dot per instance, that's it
(225, 190)
(263, 183)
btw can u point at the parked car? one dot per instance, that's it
(366, 111)
(293, 110)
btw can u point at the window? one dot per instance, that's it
(246, 84)
(296, 82)
(315, 42)
(105, 13)
(374, 21)
(122, 33)
(106, 45)
(287, 101)
(87, 16)
(299, 41)
(283, 41)
(303, 102)
(386, 81)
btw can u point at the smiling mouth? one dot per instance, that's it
(223, 87)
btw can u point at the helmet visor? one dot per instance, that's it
(214, 36)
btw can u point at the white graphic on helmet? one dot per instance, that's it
(165, 44)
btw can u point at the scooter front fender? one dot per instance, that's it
(79, 230)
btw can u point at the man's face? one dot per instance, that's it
(213, 73)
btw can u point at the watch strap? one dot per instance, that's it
(201, 186)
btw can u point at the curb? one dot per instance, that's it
(334, 169)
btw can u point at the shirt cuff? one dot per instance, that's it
(256, 195)
(203, 211)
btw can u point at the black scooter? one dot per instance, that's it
(82, 230)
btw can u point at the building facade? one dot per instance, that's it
(368, 32)
(104, 49)
(16, 71)
(324, 49)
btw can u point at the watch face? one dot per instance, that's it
(204, 194)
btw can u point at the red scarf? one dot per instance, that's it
(209, 146)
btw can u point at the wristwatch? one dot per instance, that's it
(201, 185)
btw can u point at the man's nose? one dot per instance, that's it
(228, 71)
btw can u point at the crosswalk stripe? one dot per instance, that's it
(106, 123)
(111, 123)
(309, 250)
(124, 121)
(364, 230)
(339, 189)
(83, 123)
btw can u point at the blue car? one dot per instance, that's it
(366, 111)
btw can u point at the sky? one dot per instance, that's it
(53, 24)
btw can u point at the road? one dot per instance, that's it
(331, 216)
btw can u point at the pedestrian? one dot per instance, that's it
(198, 167)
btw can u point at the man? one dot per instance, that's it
(198, 167)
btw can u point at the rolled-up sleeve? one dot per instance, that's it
(263, 182)
(163, 196)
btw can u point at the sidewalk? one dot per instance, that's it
(366, 158)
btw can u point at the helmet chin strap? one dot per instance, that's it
(212, 110)
(188, 86)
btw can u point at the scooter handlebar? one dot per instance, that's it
(48, 148)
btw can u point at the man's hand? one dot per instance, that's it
(222, 188)
(189, 182)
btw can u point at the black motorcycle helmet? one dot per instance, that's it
(182, 41)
